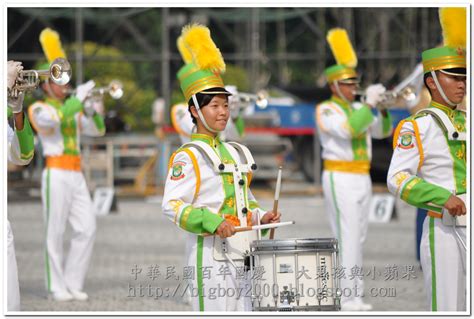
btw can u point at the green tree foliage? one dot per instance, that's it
(236, 75)
(135, 106)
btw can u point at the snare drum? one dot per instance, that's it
(294, 275)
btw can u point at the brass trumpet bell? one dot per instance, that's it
(115, 89)
(60, 73)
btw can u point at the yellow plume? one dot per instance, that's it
(341, 47)
(197, 38)
(185, 54)
(453, 23)
(51, 45)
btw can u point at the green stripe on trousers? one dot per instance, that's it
(434, 305)
(199, 272)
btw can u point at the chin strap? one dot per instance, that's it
(203, 120)
(338, 90)
(440, 89)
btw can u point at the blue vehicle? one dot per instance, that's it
(296, 121)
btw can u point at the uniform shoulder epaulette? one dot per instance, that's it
(33, 110)
(325, 102)
(419, 115)
(186, 150)
(180, 149)
(38, 102)
(411, 119)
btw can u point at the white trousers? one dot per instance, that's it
(347, 201)
(13, 289)
(66, 198)
(443, 260)
(217, 287)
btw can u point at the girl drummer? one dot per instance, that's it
(202, 194)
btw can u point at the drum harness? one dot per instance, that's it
(236, 170)
(453, 135)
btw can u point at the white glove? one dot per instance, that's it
(83, 90)
(13, 68)
(16, 104)
(374, 94)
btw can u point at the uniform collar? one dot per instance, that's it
(446, 109)
(53, 102)
(212, 141)
(340, 101)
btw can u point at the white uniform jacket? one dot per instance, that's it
(59, 128)
(195, 196)
(346, 131)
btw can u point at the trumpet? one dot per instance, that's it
(114, 89)
(260, 98)
(27, 80)
(407, 94)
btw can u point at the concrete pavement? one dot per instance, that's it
(140, 237)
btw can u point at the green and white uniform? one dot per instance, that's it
(197, 199)
(346, 132)
(426, 168)
(65, 195)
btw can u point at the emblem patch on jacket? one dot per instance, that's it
(177, 171)
(406, 140)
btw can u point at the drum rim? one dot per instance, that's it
(292, 242)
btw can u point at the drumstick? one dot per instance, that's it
(275, 202)
(256, 227)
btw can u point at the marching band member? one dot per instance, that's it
(59, 124)
(20, 152)
(185, 125)
(207, 187)
(345, 130)
(428, 167)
